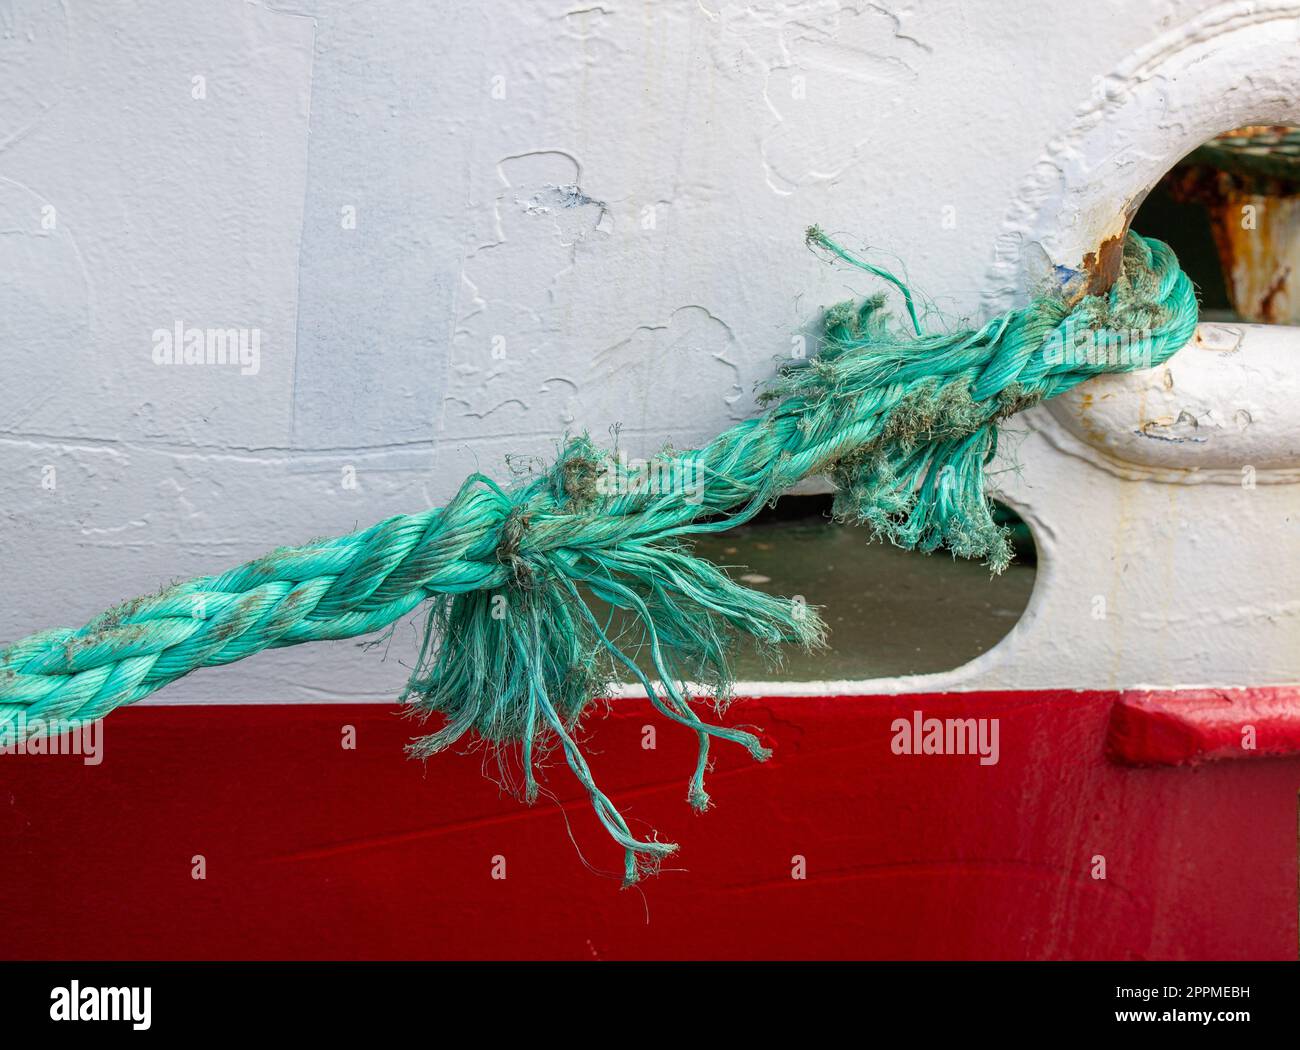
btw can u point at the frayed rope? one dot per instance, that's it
(514, 650)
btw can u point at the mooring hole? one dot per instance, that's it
(889, 611)
(1230, 210)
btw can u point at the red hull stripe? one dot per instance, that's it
(844, 845)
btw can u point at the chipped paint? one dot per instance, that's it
(1101, 267)
(1212, 397)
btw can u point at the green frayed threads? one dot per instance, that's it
(520, 581)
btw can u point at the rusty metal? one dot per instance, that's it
(1248, 181)
(1101, 268)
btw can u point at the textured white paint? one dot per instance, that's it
(624, 227)
(1221, 409)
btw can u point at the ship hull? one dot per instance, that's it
(314, 851)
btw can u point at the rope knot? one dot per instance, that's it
(513, 530)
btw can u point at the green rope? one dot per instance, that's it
(514, 649)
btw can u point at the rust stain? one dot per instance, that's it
(1258, 258)
(1255, 220)
(1269, 302)
(1094, 434)
(1102, 266)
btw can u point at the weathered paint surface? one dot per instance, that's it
(1221, 411)
(1248, 181)
(460, 232)
(1262, 262)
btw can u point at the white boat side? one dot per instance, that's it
(552, 219)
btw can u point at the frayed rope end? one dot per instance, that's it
(519, 664)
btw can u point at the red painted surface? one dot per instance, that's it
(1188, 726)
(314, 851)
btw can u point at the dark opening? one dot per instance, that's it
(1231, 211)
(890, 611)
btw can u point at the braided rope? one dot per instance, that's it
(513, 649)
